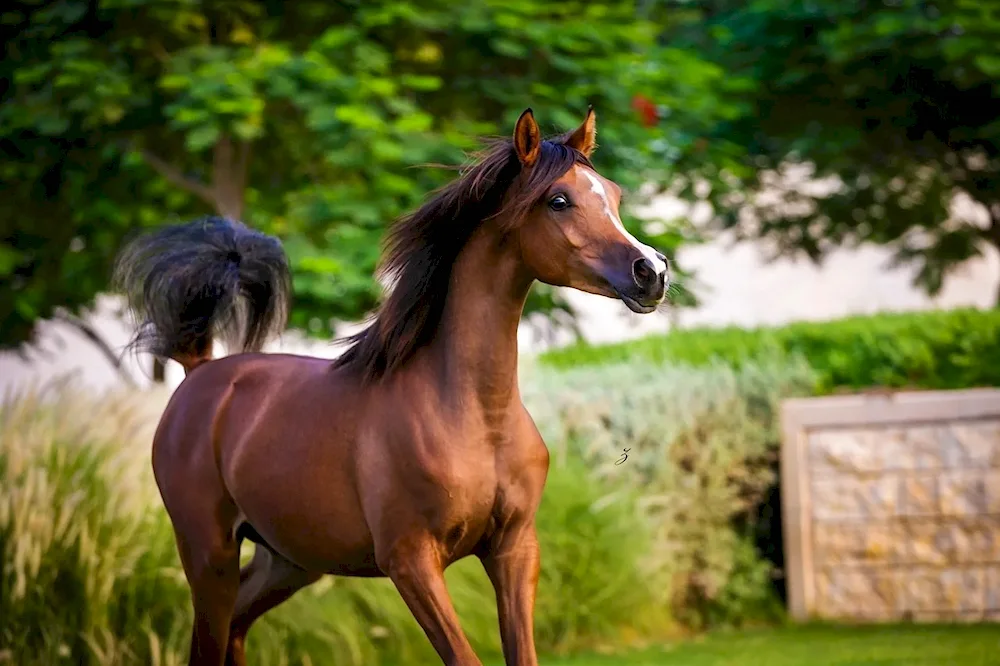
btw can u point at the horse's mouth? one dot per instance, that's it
(636, 306)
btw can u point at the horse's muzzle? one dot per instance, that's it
(647, 287)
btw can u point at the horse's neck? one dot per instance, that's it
(476, 347)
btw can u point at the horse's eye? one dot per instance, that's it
(559, 202)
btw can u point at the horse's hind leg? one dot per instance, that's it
(266, 582)
(202, 514)
(210, 555)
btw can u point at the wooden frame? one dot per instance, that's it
(799, 416)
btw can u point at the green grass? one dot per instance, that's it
(910, 645)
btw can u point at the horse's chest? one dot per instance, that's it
(449, 475)
(466, 501)
(468, 487)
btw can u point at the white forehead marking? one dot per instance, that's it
(648, 252)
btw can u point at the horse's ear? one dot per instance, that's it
(527, 139)
(584, 137)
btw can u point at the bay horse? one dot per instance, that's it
(412, 449)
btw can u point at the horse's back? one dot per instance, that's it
(232, 397)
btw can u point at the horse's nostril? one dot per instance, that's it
(643, 272)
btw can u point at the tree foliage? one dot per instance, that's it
(897, 103)
(310, 120)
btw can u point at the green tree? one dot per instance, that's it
(305, 119)
(898, 103)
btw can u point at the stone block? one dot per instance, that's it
(845, 498)
(962, 493)
(972, 617)
(858, 594)
(844, 452)
(871, 450)
(950, 592)
(991, 481)
(918, 495)
(992, 576)
(928, 617)
(924, 447)
(922, 544)
(840, 544)
(972, 444)
(933, 542)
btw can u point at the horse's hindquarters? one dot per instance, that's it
(279, 437)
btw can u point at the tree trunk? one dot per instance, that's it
(229, 171)
(227, 191)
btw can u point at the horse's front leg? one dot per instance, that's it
(513, 564)
(415, 567)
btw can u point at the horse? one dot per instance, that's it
(412, 449)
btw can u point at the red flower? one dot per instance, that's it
(646, 110)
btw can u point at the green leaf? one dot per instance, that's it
(202, 137)
(9, 259)
(421, 82)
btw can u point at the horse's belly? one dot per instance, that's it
(335, 558)
(335, 545)
(309, 513)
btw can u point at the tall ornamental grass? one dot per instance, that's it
(89, 572)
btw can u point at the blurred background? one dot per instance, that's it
(824, 174)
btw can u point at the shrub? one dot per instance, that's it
(704, 439)
(703, 445)
(600, 585)
(89, 572)
(932, 350)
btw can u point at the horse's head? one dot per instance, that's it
(573, 236)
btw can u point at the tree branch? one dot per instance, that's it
(95, 338)
(175, 176)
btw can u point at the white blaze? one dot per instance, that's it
(648, 252)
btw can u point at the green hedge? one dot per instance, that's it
(929, 350)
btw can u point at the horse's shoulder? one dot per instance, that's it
(525, 452)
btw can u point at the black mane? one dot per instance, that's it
(422, 247)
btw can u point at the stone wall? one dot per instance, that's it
(892, 506)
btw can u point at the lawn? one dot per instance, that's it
(910, 645)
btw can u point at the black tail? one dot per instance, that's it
(210, 278)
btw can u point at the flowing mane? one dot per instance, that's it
(421, 248)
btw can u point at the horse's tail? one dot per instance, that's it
(208, 279)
